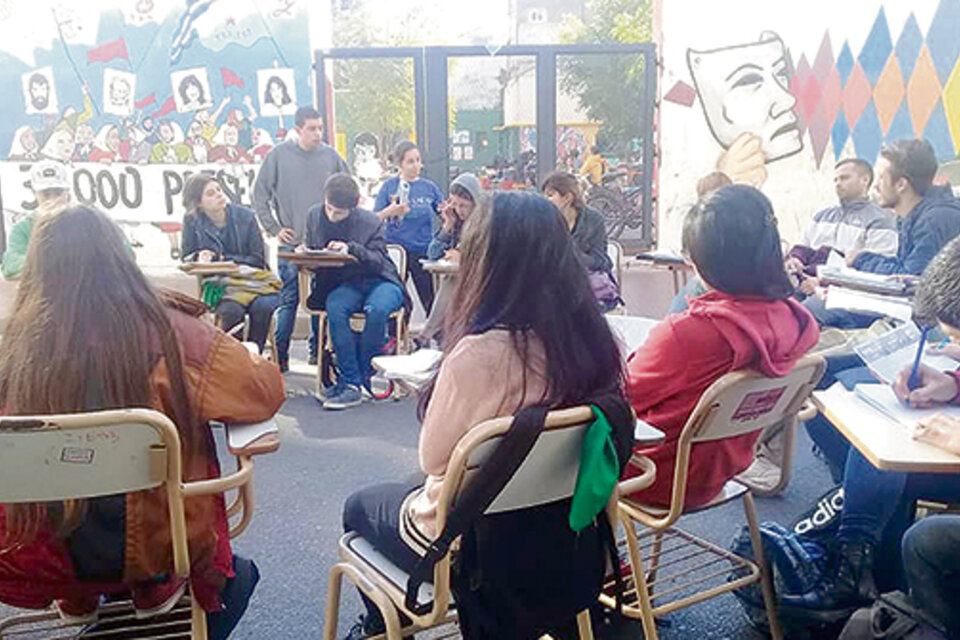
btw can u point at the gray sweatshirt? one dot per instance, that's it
(290, 182)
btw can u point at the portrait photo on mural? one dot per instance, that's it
(277, 91)
(39, 92)
(119, 88)
(744, 91)
(191, 89)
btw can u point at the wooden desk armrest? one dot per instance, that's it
(642, 481)
(253, 439)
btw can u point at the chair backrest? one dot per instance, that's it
(50, 458)
(615, 253)
(548, 473)
(399, 256)
(738, 403)
(746, 401)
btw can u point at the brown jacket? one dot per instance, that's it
(224, 383)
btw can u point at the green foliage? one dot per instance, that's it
(610, 89)
(373, 95)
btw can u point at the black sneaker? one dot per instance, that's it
(284, 365)
(365, 627)
(348, 396)
(312, 360)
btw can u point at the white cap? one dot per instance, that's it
(49, 174)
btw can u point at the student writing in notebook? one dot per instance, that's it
(879, 505)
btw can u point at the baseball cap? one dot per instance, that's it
(49, 174)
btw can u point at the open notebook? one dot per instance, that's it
(889, 354)
(882, 398)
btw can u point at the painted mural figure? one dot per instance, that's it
(744, 94)
(191, 92)
(39, 92)
(276, 93)
(25, 147)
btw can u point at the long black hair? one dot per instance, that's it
(731, 236)
(519, 272)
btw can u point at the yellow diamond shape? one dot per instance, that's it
(951, 104)
(888, 93)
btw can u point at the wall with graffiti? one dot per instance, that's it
(775, 97)
(186, 84)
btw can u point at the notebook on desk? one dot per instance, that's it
(882, 398)
(892, 352)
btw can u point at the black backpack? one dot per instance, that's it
(521, 573)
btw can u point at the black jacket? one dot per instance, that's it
(364, 234)
(239, 241)
(590, 241)
(932, 223)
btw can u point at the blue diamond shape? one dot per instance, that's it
(839, 134)
(902, 125)
(845, 63)
(876, 50)
(908, 46)
(867, 134)
(942, 38)
(938, 133)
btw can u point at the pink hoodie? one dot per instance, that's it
(685, 354)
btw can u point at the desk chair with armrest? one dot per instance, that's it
(86, 455)
(670, 568)
(548, 473)
(325, 366)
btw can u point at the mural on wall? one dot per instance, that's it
(902, 83)
(160, 84)
(745, 95)
(143, 86)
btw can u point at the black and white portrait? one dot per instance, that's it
(277, 91)
(118, 91)
(191, 90)
(39, 91)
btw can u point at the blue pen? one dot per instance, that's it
(914, 380)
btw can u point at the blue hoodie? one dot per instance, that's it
(933, 223)
(415, 229)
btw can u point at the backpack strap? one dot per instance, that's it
(476, 496)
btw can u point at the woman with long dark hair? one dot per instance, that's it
(215, 229)
(747, 319)
(88, 332)
(523, 330)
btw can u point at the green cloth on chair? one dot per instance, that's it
(598, 474)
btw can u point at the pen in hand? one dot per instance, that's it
(914, 380)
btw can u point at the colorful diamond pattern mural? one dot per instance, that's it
(888, 93)
(890, 89)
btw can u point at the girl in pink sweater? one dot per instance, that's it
(523, 329)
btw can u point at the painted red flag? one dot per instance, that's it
(146, 102)
(108, 51)
(169, 105)
(230, 79)
(681, 93)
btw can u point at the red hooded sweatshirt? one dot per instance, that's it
(689, 351)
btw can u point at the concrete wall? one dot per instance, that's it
(780, 92)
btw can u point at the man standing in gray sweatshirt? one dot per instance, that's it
(291, 181)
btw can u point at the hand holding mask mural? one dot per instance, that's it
(744, 161)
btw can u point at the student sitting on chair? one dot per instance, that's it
(88, 332)
(747, 319)
(511, 342)
(879, 505)
(216, 230)
(589, 236)
(464, 196)
(370, 285)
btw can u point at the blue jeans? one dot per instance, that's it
(287, 309)
(931, 561)
(879, 506)
(377, 299)
(849, 370)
